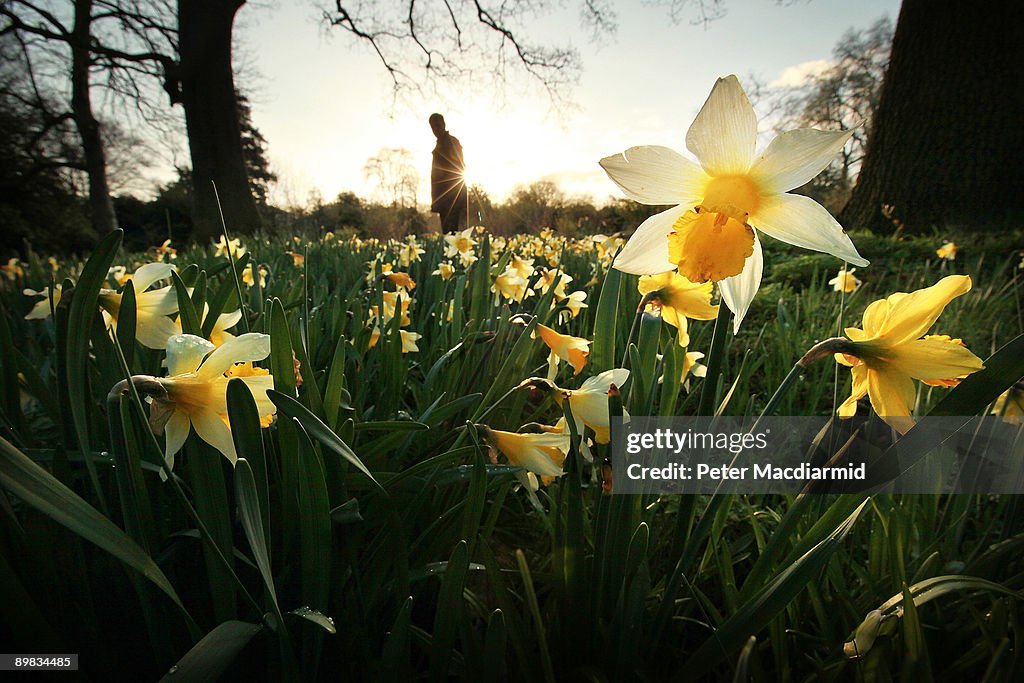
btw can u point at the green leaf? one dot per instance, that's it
(38, 489)
(210, 657)
(448, 615)
(187, 314)
(756, 613)
(602, 352)
(81, 312)
(319, 431)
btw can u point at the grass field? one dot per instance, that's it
(377, 525)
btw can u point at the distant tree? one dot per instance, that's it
(254, 153)
(393, 171)
(349, 212)
(842, 97)
(122, 40)
(426, 45)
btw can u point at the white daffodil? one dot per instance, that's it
(152, 326)
(709, 234)
(196, 390)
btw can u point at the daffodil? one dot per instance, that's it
(196, 390)
(460, 244)
(845, 281)
(539, 454)
(947, 251)
(523, 266)
(547, 279)
(709, 234)
(409, 340)
(510, 285)
(888, 352)
(402, 280)
(12, 270)
(410, 252)
(573, 350)
(1010, 405)
(152, 306)
(692, 368)
(249, 279)
(232, 250)
(298, 260)
(445, 270)
(678, 299)
(42, 308)
(574, 303)
(589, 403)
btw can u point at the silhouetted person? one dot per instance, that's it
(448, 194)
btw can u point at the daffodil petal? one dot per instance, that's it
(646, 252)
(724, 134)
(259, 385)
(163, 301)
(739, 290)
(226, 321)
(652, 174)
(148, 274)
(175, 433)
(185, 352)
(803, 222)
(892, 395)
(858, 391)
(602, 382)
(251, 346)
(211, 428)
(911, 315)
(934, 359)
(154, 331)
(795, 157)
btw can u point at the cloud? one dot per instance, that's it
(798, 74)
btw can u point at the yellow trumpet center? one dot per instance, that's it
(709, 246)
(733, 196)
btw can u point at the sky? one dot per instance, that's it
(324, 102)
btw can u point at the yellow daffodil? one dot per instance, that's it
(54, 265)
(225, 321)
(165, 250)
(250, 280)
(459, 244)
(692, 368)
(152, 326)
(410, 252)
(947, 251)
(233, 249)
(539, 454)
(298, 260)
(574, 303)
(409, 340)
(589, 403)
(445, 270)
(42, 308)
(678, 299)
(709, 233)
(845, 281)
(196, 389)
(573, 350)
(510, 285)
(547, 279)
(888, 352)
(523, 266)
(120, 274)
(402, 280)
(12, 269)
(1010, 405)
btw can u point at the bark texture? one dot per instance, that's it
(947, 140)
(211, 117)
(101, 206)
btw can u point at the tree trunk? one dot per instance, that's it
(211, 118)
(101, 207)
(946, 142)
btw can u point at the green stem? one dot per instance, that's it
(647, 298)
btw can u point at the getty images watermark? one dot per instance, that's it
(815, 455)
